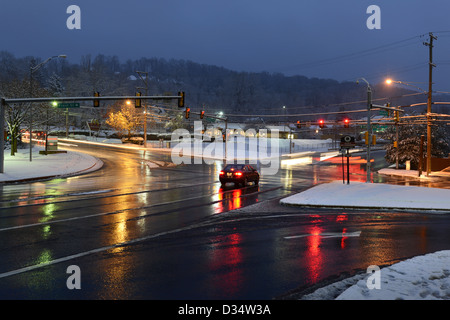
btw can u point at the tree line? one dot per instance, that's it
(210, 88)
(207, 87)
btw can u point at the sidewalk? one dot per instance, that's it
(18, 168)
(415, 174)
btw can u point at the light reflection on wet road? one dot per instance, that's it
(161, 233)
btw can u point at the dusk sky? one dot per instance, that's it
(314, 38)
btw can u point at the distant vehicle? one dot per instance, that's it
(239, 174)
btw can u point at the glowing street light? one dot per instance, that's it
(33, 69)
(369, 127)
(390, 81)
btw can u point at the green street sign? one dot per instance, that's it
(68, 105)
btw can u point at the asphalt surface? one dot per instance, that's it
(138, 232)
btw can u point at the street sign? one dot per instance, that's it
(348, 142)
(68, 105)
(94, 126)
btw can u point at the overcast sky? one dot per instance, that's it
(315, 38)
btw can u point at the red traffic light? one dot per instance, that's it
(299, 125)
(346, 122)
(188, 110)
(321, 123)
(202, 114)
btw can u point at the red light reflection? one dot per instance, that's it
(229, 200)
(225, 257)
(343, 238)
(357, 168)
(314, 254)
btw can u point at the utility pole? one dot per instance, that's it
(30, 112)
(369, 130)
(145, 80)
(430, 83)
(2, 130)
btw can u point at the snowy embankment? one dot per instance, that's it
(424, 277)
(372, 195)
(19, 167)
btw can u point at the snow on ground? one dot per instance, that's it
(372, 195)
(19, 167)
(424, 277)
(413, 174)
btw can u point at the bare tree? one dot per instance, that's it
(18, 114)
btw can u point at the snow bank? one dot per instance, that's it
(372, 195)
(424, 277)
(19, 167)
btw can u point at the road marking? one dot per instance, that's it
(327, 235)
(139, 208)
(117, 245)
(85, 253)
(91, 198)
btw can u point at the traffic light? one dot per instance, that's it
(137, 102)
(397, 116)
(188, 110)
(181, 99)
(366, 137)
(202, 114)
(299, 125)
(96, 102)
(321, 123)
(346, 123)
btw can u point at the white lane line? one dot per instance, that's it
(85, 253)
(99, 214)
(327, 235)
(128, 209)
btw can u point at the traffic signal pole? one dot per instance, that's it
(369, 127)
(144, 77)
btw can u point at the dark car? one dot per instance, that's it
(239, 174)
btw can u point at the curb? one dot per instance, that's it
(364, 207)
(98, 163)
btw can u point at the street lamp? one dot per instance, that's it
(369, 128)
(390, 81)
(33, 70)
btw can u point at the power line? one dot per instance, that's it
(362, 53)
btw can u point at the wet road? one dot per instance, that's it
(138, 232)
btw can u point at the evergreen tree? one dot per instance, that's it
(55, 86)
(409, 142)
